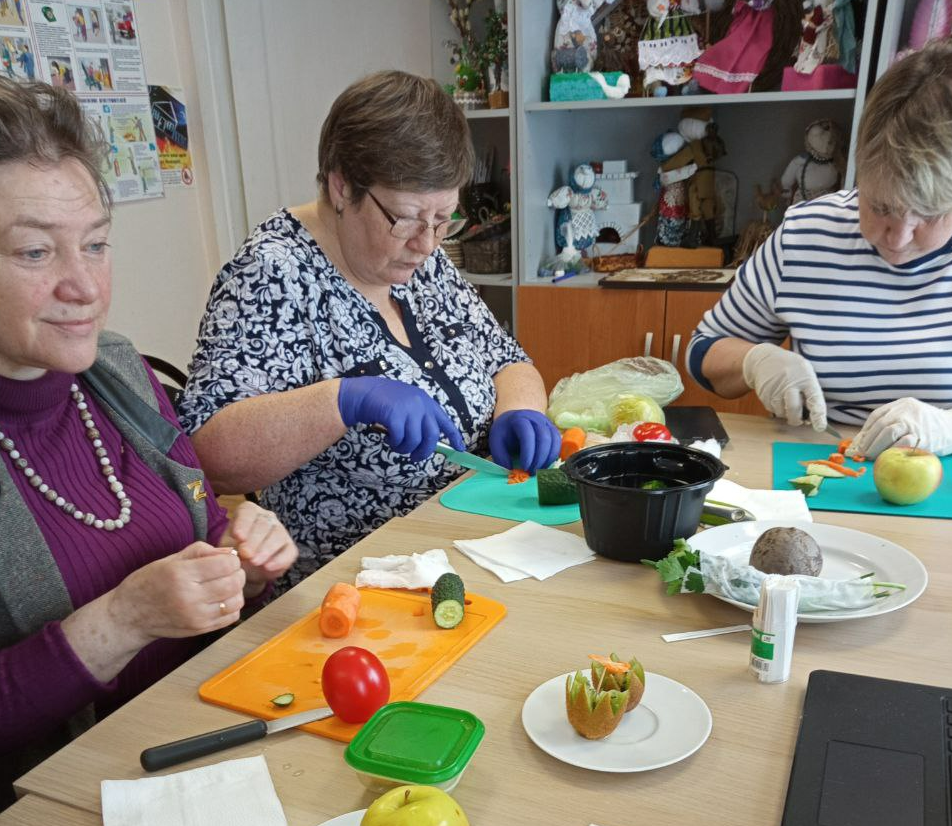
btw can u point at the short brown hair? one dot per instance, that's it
(397, 130)
(904, 141)
(43, 124)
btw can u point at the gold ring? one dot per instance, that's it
(222, 607)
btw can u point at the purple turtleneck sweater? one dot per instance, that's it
(42, 681)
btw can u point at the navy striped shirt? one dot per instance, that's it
(873, 332)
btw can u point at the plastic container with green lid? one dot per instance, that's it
(414, 743)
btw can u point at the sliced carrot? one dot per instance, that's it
(517, 476)
(858, 458)
(846, 471)
(572, 440)
(837, 458)
(610, 665)
(339, 610)
(843, 446)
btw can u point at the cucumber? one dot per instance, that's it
(283, 700)
(555, 487)
(447, 599)
(809, 484)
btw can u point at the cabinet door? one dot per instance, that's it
(568, 330)
(682, 313)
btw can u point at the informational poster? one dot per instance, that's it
(92, 49)
(170, 120)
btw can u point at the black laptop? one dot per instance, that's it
(871, 752)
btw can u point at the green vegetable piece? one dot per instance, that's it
(653, 484)
(555, 487)
(283, 700)
(674, 567)
(809, 484)
(816, 469)
(447, 599)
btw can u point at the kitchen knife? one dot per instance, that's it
(470, 460)
(161, 757)
(828, 429)
(458, 457)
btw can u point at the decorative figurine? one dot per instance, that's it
(575, 226)
(575, 44)
(818, 170)
(668, 49)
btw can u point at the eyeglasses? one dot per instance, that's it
(408, 228)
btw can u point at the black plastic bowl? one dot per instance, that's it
(624, 521)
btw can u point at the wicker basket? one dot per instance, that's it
(493, 255)
(454, 251)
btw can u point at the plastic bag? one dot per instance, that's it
(585, 399)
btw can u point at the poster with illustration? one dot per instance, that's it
(17, 59)
(94, 73)
(13, 12)
(86, 24)
(171, 133)
(61, 72)
(122, 24)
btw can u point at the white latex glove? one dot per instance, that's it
(905, 423)
(786, 384)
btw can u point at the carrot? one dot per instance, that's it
(858, 458)
(846, 471)
(572, 440)
(843, 446)
(339, 610)
(837, 458)
(610, 666)
(517, 476)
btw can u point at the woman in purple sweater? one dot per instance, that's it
(115, 559)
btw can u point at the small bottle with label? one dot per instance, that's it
(774, 625)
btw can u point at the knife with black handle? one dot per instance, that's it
(169, 754)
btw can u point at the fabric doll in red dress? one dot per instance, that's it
(733, 63)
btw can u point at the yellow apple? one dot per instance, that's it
(906, 475)
(414, 806)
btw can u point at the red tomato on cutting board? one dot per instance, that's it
(355, 683)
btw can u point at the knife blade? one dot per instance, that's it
(828, 429)
(470, 460)
(169, 754)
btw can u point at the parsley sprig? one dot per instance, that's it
(673, 569)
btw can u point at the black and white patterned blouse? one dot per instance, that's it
(281, 316)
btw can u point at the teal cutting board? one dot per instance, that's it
(491, 495)
(854, 495)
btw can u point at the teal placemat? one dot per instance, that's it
(491, 495)
(854, 495)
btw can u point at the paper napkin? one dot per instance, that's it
(231, 793)
(529, 549)
(763, 504)
(403, 571)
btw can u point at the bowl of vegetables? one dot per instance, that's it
(636, 498)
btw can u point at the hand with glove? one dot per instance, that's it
(528, 434)
(413, 420)
(786, 384)
(904, 423)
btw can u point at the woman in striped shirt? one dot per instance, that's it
(860, 281)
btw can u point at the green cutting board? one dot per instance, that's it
(854, 495)
(491, 495)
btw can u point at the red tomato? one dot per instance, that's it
(651, 432)
(355, 683)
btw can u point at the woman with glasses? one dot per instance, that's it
(345, 313)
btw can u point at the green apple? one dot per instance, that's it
(414, 806)
(906, 475)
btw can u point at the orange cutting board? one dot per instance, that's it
(396, 625)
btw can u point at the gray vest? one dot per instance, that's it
(32, 591)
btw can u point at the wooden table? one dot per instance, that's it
(738, 777)
(32, 809)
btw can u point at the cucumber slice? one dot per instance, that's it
(283, 700)
(447, 600)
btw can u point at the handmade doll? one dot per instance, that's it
(671, 184)
(817, 170)
(817, 42)
(668, 48)
(731, 65)
(575, 44)
(575, 226)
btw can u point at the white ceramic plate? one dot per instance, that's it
(846, 554)
(670, 723)
(350, 819)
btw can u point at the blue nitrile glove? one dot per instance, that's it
(414, 421)
(527, 433)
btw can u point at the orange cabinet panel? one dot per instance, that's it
(569, 330)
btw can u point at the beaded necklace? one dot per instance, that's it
(106, 468)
